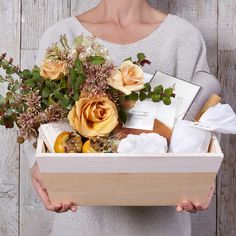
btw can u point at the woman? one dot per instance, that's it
(174, 47)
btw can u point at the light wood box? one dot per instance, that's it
(128, 180)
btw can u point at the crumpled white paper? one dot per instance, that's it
(188, 139)
(150, 143)
(220, 118)
(192, 137)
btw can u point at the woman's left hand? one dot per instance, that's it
(193, 207)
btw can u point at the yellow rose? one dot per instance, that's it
(53, 70)
(128, 78)
(94, 116)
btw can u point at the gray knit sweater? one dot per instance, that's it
(176, 48)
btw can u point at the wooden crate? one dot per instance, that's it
(128, 180)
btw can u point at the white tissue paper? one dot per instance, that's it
(220, 118)
(150, 143)
(188, 139)
(195, 136)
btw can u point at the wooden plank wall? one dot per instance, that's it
(9, 157)
(22, 23)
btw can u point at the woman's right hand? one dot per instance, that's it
(58, 207)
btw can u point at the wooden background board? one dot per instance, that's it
(22, 23)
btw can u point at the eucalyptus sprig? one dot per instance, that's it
(157, 94)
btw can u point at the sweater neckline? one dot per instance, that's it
(150, 36)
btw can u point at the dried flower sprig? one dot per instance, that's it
(96, 78)
(105, 144)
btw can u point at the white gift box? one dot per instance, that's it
(104, 179)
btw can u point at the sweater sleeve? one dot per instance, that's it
(191, 56)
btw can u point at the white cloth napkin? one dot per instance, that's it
(220, 118)
(190, 136)
(188, 139)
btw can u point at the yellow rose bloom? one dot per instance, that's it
(128, 78)
(53, 70)
(94, 116)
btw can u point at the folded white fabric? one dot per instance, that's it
(49, 132)
(188, 139)
(195, 136)
(220, 118)
(151, 143)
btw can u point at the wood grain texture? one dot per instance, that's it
(9, 158)
(226, 197)
(80, 6)
(226, 25)
(161, 5)
(9, 182)
(128, 189)
(226, 207)
(37, 16)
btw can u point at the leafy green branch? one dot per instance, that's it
(158, 94)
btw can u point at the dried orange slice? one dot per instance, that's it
(68, 142)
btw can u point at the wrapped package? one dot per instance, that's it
(188, 139)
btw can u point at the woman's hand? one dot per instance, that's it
(193, 207)
(58, 207)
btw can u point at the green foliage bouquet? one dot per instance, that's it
(79, 82)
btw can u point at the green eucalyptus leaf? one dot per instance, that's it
(141, 56)
(27, 74)
(2, 100)
(142, 96)
(158, 89)
(96, 60)
(123, 115)
(133, 96)
(58, 95)
(166, 100)
(168, 91)
(4, 64)
(30, 82)
(65, 102)
(128, 59)
(15, 86)
(46, 92)
(147, 87)
(49, 84)
(10, 70)
(156, 98)
(36, 74)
